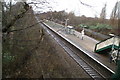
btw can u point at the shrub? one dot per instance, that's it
(100, 26)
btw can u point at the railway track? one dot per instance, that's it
(81, 61)
(93, 71)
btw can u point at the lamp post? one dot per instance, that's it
(66, 20)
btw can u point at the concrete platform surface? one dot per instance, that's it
(87, 44)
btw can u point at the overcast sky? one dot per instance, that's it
(79, 9)
(76, 7)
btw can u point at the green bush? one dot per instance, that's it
(7, 58)
(101, 26)
(83, 25)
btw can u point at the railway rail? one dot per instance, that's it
(91, 67)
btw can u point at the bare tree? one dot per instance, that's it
(114, 18)
(103, 12)
(114, 14)
(9, 17)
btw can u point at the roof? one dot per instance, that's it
(70, 26)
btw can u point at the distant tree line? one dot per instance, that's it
(60, 17)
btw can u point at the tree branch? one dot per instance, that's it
(42, 2)
(26, 7)
(85, 4)
(24, 28)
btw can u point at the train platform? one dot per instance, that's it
(87, 45)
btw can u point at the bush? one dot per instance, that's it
(7, 58)
(101, 26)
(83, 25)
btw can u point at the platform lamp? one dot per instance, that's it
(66, 21)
